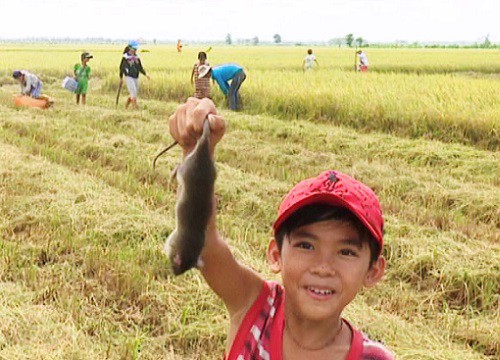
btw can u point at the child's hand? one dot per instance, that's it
(186, 124)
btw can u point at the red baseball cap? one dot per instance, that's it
(337, 189)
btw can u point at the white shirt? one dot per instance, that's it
(363, 59)
(31, 80)
(309, 59)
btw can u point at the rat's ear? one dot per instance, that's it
(375, 272)
(274, 256)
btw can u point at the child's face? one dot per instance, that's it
(323, 266)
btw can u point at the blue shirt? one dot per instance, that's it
(223, 73)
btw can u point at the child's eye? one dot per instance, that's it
(348, 252)
(304, 245)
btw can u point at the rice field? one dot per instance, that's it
(83, 216)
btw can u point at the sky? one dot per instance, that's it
(294, 20)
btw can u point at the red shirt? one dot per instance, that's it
(260, 336)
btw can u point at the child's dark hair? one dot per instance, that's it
(202, 55)
(126, 50)
(309, 51)
(321, 212)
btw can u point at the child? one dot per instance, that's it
(327, 245)
(131, 66)
(201, 82)
(82, 74)
(224, 73)
(309, 60)
(30, 84)
(363, 61)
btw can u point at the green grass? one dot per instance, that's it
(83, 218)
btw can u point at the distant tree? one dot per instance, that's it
(486, 43)
(229, 41)
(255, 40)
(336, 42)
(277, 38)
(349, 39)
(359, 41)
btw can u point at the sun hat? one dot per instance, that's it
(133, 44)
(87, 55)
(203, 70)
(337, 189)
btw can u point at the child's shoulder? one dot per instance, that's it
(375, 350)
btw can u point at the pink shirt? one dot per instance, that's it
(260, 336)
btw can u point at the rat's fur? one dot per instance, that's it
(196, 177)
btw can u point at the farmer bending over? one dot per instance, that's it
(224, 73)
(31, 85)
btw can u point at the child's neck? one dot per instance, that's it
(315, 339)
(311, 334)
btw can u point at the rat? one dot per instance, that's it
(196, 178)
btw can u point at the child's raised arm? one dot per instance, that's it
(192, 75)
(237, 285)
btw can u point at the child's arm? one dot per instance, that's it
(237, 285)
(192, 75)
(122, 69)
(141, 69)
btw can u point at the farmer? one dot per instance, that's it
(130, 67)
(201, 80)
(224, 73)
(363, 61)
(327, 245)
(30, 84)
(309, 60)
(179, 46)
(82, 74)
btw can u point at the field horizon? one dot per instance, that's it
(84, 216)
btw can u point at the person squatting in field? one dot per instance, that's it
(309, 60)
(130, 67)
(327, 245)
(201, 81)
(82, 74)
(224, 73)
(30, 84)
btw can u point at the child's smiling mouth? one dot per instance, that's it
(320, 293)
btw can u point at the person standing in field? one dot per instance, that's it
(201, 83)
(363, 61)
(327, 246)
(309, 61)
(224, 73)
(30, 84)
(82, 74)
(179, 46)
(130, 67)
